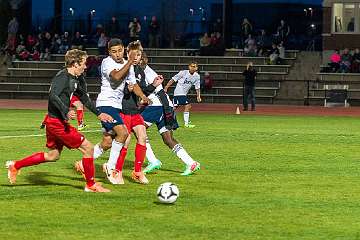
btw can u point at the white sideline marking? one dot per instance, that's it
(40, 135)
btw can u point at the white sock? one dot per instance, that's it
(149, 153)
(182, 154)
(98, 151)
(114, 154)
(186, 117)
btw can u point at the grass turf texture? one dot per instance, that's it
(262, 177)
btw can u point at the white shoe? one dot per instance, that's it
(110, 174)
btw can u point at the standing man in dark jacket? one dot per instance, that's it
(59, 132)
(249, 86)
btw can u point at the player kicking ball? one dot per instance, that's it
(59, 132)
(185, 79)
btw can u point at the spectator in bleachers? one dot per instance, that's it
(283, 31)
(154, 33)
(335, 59)
(204, 44)
(77, 42)
(281, 48)
(274, 54)
(13, 28)
(208, 82)
(355, 65)
(263, 43)
(93, 66)
(134, 29)
(246, 29)
(45, 46)
(345, 62)
(249, 87)
(250, 46)
(31, 42)
(65, 43)
(113, 28)
(102, 42)
(55, 44)
(21, 52)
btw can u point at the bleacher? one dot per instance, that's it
(317, 90)
(31, 79)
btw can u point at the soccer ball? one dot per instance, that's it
(167, 192)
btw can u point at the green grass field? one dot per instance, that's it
(262, 177)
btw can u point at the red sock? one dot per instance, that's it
(34, 159)
(140, 151)
(80, 116)
(89, 170)
(121, 159)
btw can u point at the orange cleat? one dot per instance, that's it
(96, 188)
(12, 171)
(139, 177)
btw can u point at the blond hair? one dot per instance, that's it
(74, 56)
(135, 45)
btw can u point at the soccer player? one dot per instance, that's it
(75, 102)
(59, 132)
(115, 74)
(185, 80)
(134, 122)
(157, 113)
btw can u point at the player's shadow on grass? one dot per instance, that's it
(40, 179)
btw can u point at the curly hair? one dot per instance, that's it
(74, 56)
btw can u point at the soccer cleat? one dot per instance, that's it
(189, 125)
(190, 169)
(12, 171)
(152, 166)
(96, 188)
(118, 177)
(82, 126)
(113, 175)
(79, 168)
(139, 177)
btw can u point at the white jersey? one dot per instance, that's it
(110, 95)
(150, 75)
(185, 81)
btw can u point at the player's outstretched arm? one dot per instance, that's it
(168, 85)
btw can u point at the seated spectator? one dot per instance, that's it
(45, 46)
(102, 44)
(355, 66)
(92, 66)
(274, 54)
(335, 59)
(208, 82)
(31, 41)
(250, 46)
(204, 44)
(34, 54)
(281, 48)
(263, 43)
(219, 46)
(55, 44)
(21, 52)
(77, 42)
(345, 62)
(65, 43)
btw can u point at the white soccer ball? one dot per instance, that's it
(167, 192)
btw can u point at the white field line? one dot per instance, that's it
(40, 135)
